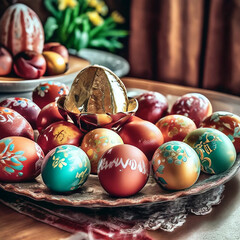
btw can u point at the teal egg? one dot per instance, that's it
(65, 168)
(215, 150)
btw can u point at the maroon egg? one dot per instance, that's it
(123, 170)
(48, 92)
(59, 133)
(151, 106)
(143, 135)
(48, 115)
(20, 159)
(27, 108)
(193, 105)
(14, 124)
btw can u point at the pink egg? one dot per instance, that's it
(14, 124)
(48, 92)
(26, 107)
(123, 170)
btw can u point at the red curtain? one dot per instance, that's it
(187, 42)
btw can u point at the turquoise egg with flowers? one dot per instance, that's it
(215, 150)
(65, 168)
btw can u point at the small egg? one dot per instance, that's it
(226, 122)
(65, 168)
(214, 148)
(123, 170)
(20, 159)
(26, 107)
(175, 127)
(193, 105)
(175, 165)
(96, 142)
(48, 92)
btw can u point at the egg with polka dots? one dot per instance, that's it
(96, 142)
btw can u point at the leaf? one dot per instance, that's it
(84, 40)
(50, 27)
(114, 33)
(49, 4)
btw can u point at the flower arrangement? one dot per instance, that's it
(81, 24)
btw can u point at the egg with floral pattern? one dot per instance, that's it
(96, 142)
(226, 122)
(48, 92)
(26, 107)
(175, 165)
(65, 168)
(215, 150)
(175, 127)
(20, 159)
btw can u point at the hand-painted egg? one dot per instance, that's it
(26, 107)
(151, 106)
(214, 148)
(193, 105)
(65, 168)
(96, 142)
(175, 127)
(123, 170)
(175, 165)
(48, 92)
(48, 115)
(142, 134)
(59, 133)
(20, 159)
(14, 124)
(226, 122)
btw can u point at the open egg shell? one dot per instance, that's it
(97, 98)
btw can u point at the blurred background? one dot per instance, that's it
(187, 42)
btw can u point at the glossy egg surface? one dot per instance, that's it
(65, 168)
(175, 165)
(20, 159)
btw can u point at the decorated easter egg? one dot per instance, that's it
(59, 133)
(142, 134)
(193, 105)
(14, 124)
(175, 127)
(96, 142)
(48, 92)
(175, 165)
(123, 170)
(48, 115)
(214, 148)
(26, 107)
(151, 106)
(20, 159)
(226, 122)
(65, 168)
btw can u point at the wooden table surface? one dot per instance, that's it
(221, 223)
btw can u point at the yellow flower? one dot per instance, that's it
(95, 18)
(117, 17)
(92, 3)
(63, 4)
(102, 8)
(58, 162)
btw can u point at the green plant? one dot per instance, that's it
(83, 24)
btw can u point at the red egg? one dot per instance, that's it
(48, 92)
(151, 106)
(143, 135)
(48, 115)
(14, 124)
(27, 108)
(59, 133)
(193, 105)
(20, 159)
(123, 170)
(175, 127)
